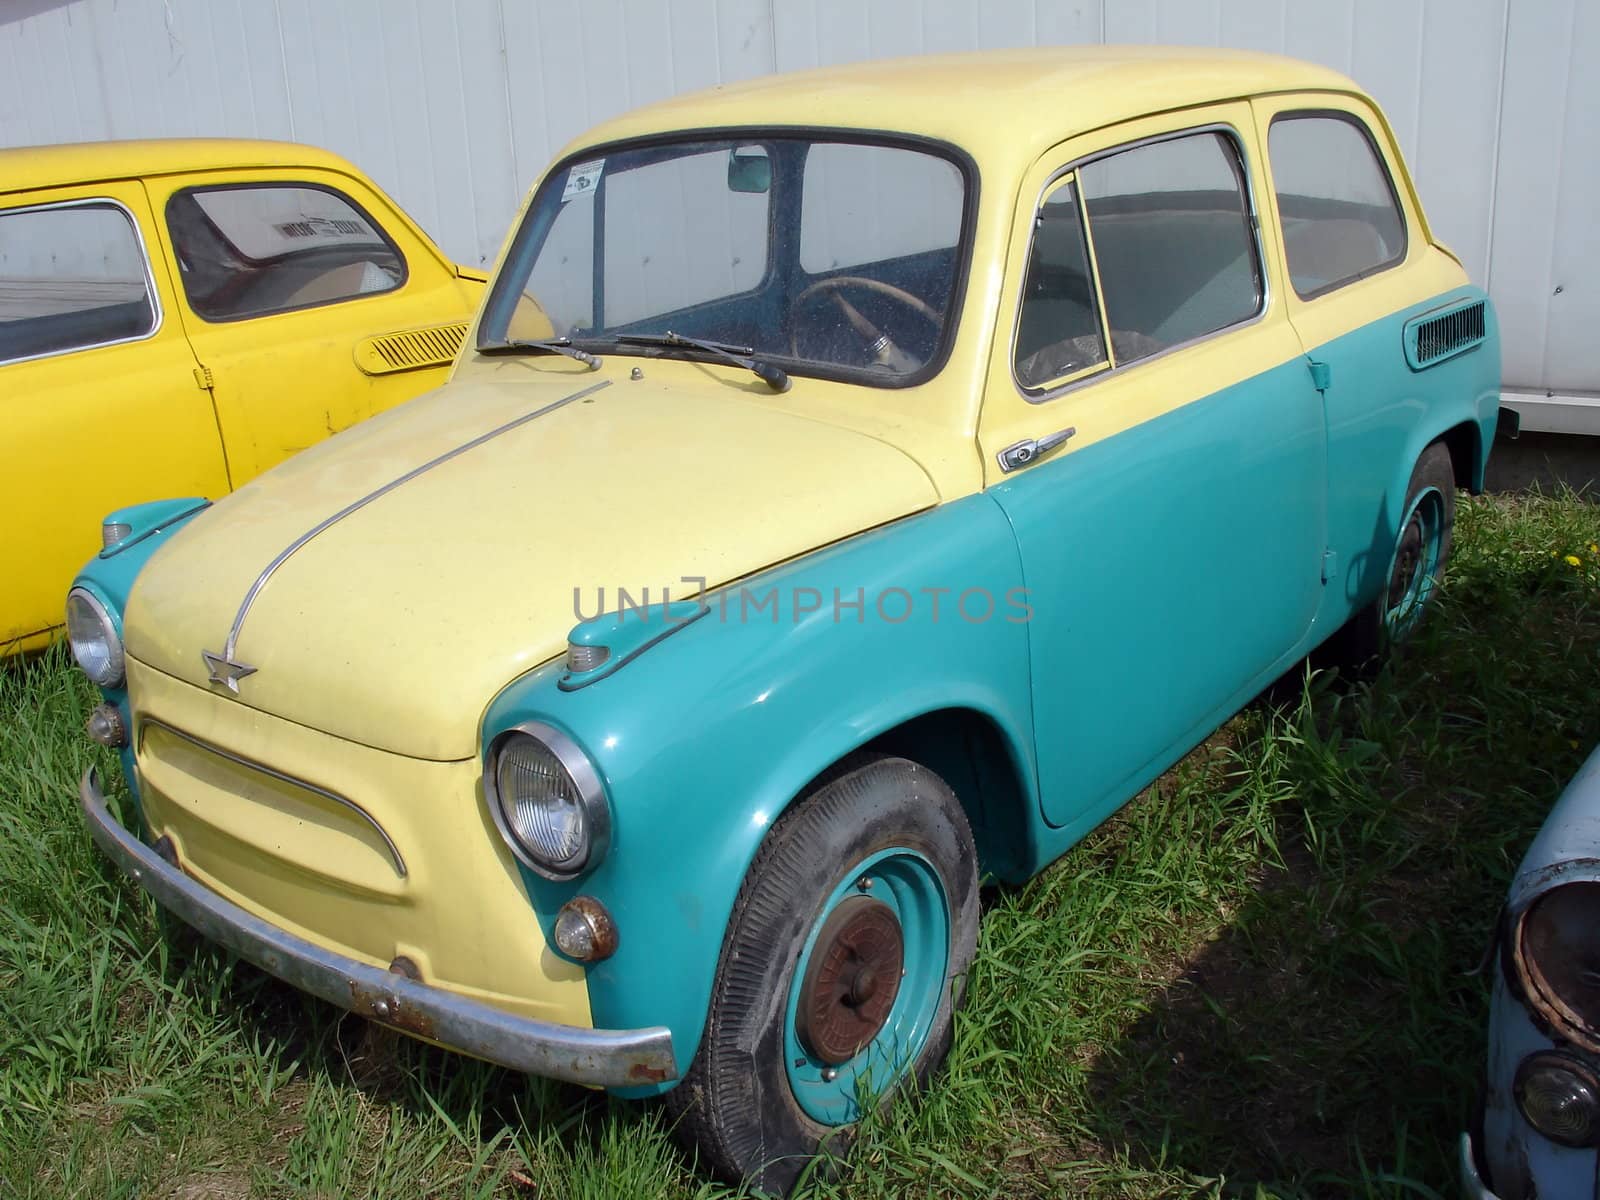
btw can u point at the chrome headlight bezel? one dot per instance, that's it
(591, 804)
(84, 606)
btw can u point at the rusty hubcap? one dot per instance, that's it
(1408, 557)
(851, 979)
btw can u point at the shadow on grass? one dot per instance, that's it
(1329, 1040)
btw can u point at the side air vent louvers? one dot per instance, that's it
(416, 348)
(1433, 338)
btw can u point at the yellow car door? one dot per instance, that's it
(310, 300)
(100, 406)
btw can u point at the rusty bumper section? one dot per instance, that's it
(601, 1057)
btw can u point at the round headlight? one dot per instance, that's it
(1557, 956)
(1560, 1097)
(546, 798)
(93, 637)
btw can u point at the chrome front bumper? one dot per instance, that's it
(601, 1057)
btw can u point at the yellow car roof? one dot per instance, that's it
(1016, 102)
(28, 167)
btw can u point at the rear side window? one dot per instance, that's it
(252, 250)
(72, 276)
(1134, 253)
(1341, 220)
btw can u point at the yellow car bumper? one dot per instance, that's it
(600, 1057)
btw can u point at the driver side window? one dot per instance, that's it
(1135, 252)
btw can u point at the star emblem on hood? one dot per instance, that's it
(224, 670)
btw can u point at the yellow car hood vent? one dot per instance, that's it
(435, 346)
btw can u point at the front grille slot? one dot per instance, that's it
(170, 755)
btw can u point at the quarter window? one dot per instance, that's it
(1170, 255)
(1341, 221)
(251, 250)
(71, 277)
(1059, 335)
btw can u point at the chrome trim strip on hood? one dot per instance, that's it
(289, 550)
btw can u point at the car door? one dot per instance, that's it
(1356, 267)
(99, 402)
(1166, 482)
(287, 278)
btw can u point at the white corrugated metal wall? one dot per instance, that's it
(454, 106)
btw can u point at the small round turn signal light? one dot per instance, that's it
(585, 930)
(105, 726)
(581, 658)
(114, 533)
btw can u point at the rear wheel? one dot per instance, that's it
(840, 973)
(1416, 567)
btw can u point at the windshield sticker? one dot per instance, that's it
(583, 179)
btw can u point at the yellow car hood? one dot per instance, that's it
(399, 621)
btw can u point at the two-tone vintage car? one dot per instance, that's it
(1538, 1130)
(925, 455)
(178, 316)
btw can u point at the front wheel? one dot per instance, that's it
(840, 973)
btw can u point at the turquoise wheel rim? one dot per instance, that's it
(904, 883)
(1414, 572)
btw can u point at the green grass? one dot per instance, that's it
(1255, 981)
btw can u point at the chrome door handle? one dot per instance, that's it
(1020, 454)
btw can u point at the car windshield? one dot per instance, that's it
(834, 258)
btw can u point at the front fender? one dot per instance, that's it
(110, 575)
(705, 740)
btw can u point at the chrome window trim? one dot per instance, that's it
(1113, 368)
(580, 769)
(343, 801)
(158, 312)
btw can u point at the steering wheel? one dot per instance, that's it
(884, 352)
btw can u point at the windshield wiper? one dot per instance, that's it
(543, 346)
(775, 377)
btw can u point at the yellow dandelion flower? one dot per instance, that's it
(1572, 560)
(1594, 549)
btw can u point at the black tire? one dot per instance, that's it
(736, 1107)
(1370, 634)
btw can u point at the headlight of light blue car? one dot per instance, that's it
(1541, 1120)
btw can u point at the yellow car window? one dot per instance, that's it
(250, 250)
(71, 276)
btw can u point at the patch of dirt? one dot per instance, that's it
(226, 1183)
